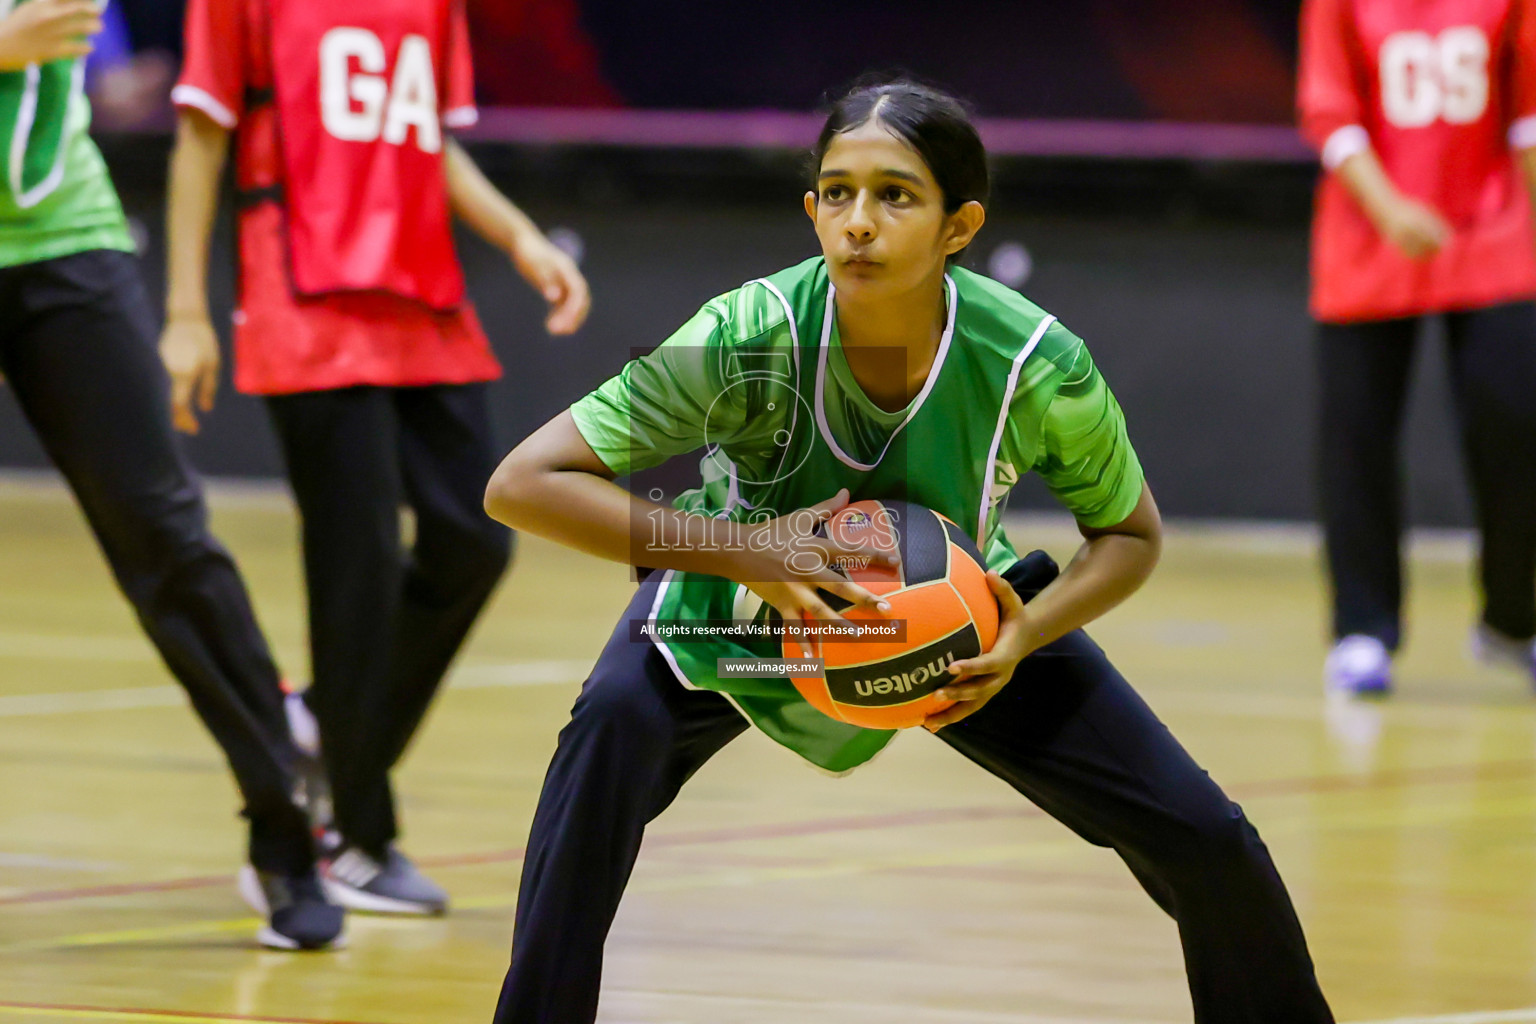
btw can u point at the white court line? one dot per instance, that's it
(471, 677)
(75, 647)
(859, 1012)
(622, 1000)
(24, 704)
(1525, 1016)
(37, 860)
(480, 675)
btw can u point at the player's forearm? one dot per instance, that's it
(1111, 565)
(481, 205)
(1366, 180)
(1527, 159)
(554, 487)
(596, 516)
(196, 164)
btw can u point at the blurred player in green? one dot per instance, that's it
(77, 345)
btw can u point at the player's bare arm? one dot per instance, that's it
(1412, 226)
(188, 345)
(1111, 565)
(1527, 160)
(497, 219)
(554, 485)
(45, 30)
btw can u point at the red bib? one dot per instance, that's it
(357, 92)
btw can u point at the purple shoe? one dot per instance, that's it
(1359, 666)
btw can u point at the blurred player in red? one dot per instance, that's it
(352, 322)
(1424, 112)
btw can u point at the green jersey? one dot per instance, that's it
(55, 196)
(759, 380)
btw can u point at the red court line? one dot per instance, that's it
(1488, 771)
(69, 1008)
(125, 889)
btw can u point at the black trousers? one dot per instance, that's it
(1068, 733)
(385, 620)
(77, 345)
(1364, 371)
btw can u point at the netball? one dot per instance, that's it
(940, 605)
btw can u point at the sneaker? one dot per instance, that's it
(1500, 650)
(298, 915)
(394, 886)
(1359, 666)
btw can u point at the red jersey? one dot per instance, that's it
(1443, 91)
(347, 270)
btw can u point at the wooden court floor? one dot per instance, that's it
(916, 890)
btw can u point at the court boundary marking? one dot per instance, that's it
(69, 1010)
(76, 1012)
(1485, 771)
(472, 675)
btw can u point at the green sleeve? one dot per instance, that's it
(1084, 454)
(669, 402)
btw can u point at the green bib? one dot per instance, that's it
(754, 381)
(938, 455)
(55, 195)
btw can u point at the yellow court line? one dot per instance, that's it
(86, 1013)
(1012, 852)
(175, 931)
(943, 858)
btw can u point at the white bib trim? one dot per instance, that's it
(917, 403)
(26, 119)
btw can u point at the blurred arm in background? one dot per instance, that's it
(44, 30)
(1414, 227)
(188, 345)
(496, 219)
(1330, 100)
(1522, 122)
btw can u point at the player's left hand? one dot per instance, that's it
(556, 277)
(977, 680)
(190, 351)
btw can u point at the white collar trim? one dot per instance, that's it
(917, 403)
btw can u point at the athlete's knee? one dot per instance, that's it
(619, 711)
(1216, 837)
(157, 553)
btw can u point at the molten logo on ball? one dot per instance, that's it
(939, 590)
(903, 683)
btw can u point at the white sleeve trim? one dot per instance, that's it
(192, 96)
(461, 117)
(1344, 143)
(1522, 133)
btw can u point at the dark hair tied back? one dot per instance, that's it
(932, 122)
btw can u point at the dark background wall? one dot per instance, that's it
(1188, 282)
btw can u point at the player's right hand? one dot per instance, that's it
(43, 30)
(788, 565)
(190, 350)
(1415, 228)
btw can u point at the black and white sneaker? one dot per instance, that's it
(297, 912)
(357, 881)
